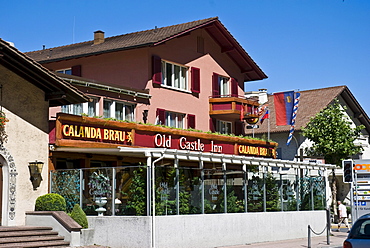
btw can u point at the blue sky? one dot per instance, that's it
(299, 44)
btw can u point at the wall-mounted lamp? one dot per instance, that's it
(35, 169)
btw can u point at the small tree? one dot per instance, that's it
(333, 138)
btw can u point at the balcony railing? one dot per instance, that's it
(231, 108)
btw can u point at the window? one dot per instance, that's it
(174, 120)
(74, 70)
(124, 111)
(174, 75)
(223, 83)
(74, 109)
(224, 86)
(170, 119)
(80, 108)
(67, 71)
(223, 127)
(91, 108)
(107, 104)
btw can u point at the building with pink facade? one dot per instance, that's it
(160, 146)
(186, 76)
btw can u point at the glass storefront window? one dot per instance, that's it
(190, 193)
(213, 191)
(272, 192)
(131, 191)
(255, 191)
(187, 190)
(97, 185)
(235, 191)
(288, 192)
(165, 191)
(67, 183)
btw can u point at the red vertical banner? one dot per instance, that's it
(283, 103)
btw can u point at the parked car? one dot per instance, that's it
(359, 236)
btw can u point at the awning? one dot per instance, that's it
(222, 158)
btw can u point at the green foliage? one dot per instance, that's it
(137, 193)
(79, 216)
(234, 205)
(332, 134)
(255, 193)
(50, 202)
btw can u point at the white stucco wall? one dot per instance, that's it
(209, 230)
(25, 106)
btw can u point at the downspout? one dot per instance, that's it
(153, 197)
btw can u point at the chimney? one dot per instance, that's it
(98, 37)
(262, 96)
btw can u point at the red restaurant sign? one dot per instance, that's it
(147, 138)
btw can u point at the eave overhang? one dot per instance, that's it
(57, 91)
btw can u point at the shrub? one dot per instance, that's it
(79, 216)
(50, 202)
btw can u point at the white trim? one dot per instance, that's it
(9, 187)
(222, 158)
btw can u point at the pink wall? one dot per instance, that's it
(133, 68)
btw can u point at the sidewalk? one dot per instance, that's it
(336, 241)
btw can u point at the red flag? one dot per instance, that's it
(265, 116)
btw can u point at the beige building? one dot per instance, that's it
(27, 90)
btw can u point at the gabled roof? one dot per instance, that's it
(312, 102)
(57, 91)
(156, 37)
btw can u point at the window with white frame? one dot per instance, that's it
(67, 71)
(224, 86)
(118, 110)
(174, 75)
(174, 119)
(88, 108)
(92, 107)
(107, 109)
(124, 111)
(74, 109)
(223, 127)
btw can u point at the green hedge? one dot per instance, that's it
(79, 216)
(50, 202)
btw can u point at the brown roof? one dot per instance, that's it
(57, 91)
(155, 37)
(312, 102)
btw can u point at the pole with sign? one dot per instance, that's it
(360, 188)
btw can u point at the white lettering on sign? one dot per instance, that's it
(214, 192)
(216, 148)
(191, 145)
(162, 141)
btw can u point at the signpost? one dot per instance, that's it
(360, 187)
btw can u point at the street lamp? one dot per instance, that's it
(35, 169)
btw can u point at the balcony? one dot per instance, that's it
(229, 108)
